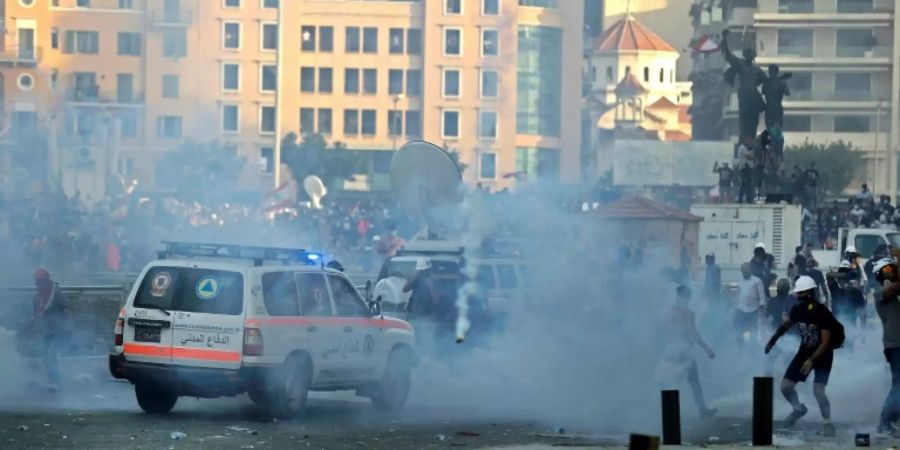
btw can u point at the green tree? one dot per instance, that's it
(838, 162)
(313, 156)
(203, 172)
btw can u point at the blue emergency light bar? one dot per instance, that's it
(255, 253)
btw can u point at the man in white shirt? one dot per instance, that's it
(751, 302)
(744, 165)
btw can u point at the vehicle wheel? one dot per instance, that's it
(259, 398)
(393, 390)
(154, 400)
(291, 389)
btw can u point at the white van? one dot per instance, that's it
(211, 320)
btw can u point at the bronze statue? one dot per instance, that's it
(774, 89)
(749, 77)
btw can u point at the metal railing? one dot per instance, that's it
(171, 17)
(22, 55)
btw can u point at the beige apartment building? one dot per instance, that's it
(843, 56)
(112, 84)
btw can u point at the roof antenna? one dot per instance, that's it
(628, 9)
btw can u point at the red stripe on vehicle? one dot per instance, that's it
(206, 355)
(154, 351)
(337, 321)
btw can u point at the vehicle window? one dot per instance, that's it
(313, 295)
(192, 290)
(346, 300)
(394, 268)
(894, 239)
(280, 294)
(485, 277)
(445, 267)
(525, 277)
(867, 244)
(507, 275)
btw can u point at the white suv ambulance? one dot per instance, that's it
(211, 320)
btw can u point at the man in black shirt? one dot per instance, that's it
(812, 183)
(815, 353)
(726, 175)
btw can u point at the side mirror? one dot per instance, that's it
(375, 308)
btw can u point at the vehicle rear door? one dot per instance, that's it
(147, 336)
(358, 343)
(208, 325)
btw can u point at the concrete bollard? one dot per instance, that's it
(762, 411)
(671, 418)
(643, 442)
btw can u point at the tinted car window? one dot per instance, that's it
(314, 299)
(394, 268)
(280, 294)
(346, 301)
(485, 277)
(192, 290)
(507, 276)
(866, 244)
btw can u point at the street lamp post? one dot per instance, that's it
(877, 132)
(279, 61)
(394, 130)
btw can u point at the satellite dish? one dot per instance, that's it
(427, 183)
(315, 189)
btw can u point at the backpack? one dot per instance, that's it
(837, 332)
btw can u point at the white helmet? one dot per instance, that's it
(846, 265)
(759, 245)
(423, 264)
(851, 249)
(803, 284)
(881, 264)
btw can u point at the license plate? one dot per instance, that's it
(147, 334)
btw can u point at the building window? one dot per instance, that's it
(852, 124)
(539, 3)
(231, 35)
(370, 81)
(170, 86)
(267, 160)
(490, 42)
(324, 120)
(168, 127)
(539, 81)
(231, 3)
(490, 84)
(307, 79)
(54, 38)
(174, 44)
(453, 7)
(395, 81)
(307, 121)
(414, 41)
(368, 122)
(452, 41)
(351, 40)
(351, 122)
(325, 76)
(130, 44)
(609, 74)
(796, 6)
(351, 81)
(84, 42)
(395, 46)
(83, 3)
(129, 124)
(413, 124)
(124, 87)
(537, 163)
(490, 7)
(266, 119)
(26, 82)
(413, 83)
(395, 123)
(308, 38)
(450, 124)
(795, 42)
(267, 78)
(370, 40)
(326, 39)
(231, 77)
(487, 124)
(230, 118)
(855, 6)
(851, 86)
(854, 43)
(487, 166)
(646, 74)
(269, 32)
(451, 83)
(54, 78)
(797, 123)
(270, 4)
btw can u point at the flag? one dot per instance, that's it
(705, 44)
(280, 197)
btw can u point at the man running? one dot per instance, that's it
(815, 353)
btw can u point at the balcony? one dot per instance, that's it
(132, 6)
(823, 13)
(92, 97)
(820, 102)
(169, 18)
(24, 56)
(803, 57)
